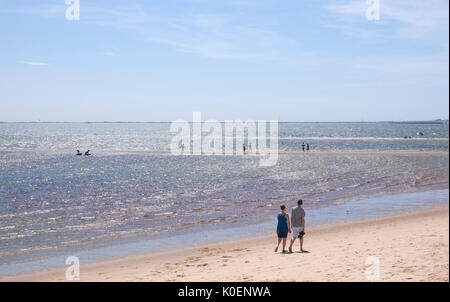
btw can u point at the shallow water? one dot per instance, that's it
(376, 207)
(52, 201)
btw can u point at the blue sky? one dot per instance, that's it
(129, 60)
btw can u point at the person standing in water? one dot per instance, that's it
(303, 147)
(307, 147)
(283, 227)
(243, 148)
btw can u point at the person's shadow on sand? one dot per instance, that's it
(299, 252)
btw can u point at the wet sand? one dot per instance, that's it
(408, 247)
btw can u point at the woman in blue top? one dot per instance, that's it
(283, 227)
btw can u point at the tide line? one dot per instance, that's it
(293, 152)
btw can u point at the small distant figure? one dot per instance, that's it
(250, 148)
(182, 147)
(79, 153)
(243, 147)
(87, 153)
(307, 147)
(303, 147)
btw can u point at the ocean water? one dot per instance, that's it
(53, 202)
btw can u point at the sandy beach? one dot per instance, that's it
(409, 247)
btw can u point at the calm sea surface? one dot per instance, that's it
(53, 202)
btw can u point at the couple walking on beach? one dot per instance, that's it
(297, 222)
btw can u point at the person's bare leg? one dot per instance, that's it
(290, 246)
(276, 249)
(284, 244)
(301, 244)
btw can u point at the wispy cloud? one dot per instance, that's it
(215, 34)
(412, 19)
(218, 36)
(46, 10)
(34, 63)
(224, 34)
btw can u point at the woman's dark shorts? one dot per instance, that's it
(282, 233)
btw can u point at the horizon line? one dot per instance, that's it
(438, 120)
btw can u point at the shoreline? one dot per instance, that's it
(415, 248)
(373, 207)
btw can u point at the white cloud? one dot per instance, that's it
(35, 63)
(108, 53)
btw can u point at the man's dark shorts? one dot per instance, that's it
(282, 233)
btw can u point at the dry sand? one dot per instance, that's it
(410, 247)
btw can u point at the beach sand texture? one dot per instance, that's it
(410, 247)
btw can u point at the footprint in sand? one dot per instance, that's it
(246, 278)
